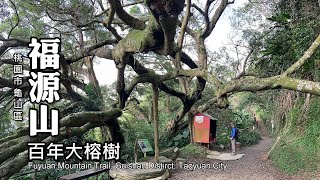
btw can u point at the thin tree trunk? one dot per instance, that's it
(168, 109)
(150, 111)
(156, 121)
(190, 120)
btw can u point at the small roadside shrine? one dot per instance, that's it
(204, 128)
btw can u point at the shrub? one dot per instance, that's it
(193, 150)
(181, 139)
(299, 148)
(247, 138)
(223, 138)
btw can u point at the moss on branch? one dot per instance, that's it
(259, 84)
(137, 41)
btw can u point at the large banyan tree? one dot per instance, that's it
(115, 31)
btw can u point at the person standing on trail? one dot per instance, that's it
(233, 136)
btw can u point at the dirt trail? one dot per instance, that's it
(250, 167)
(262, 127)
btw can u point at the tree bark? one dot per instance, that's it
(73, 125)
(156, 121)
(150, 111)
(190, 120)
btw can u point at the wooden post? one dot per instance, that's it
(156, 121)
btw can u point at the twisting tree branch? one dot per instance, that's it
(18, 18)
(73, 125)
(214, 19)
(307, 54)
(125, 17)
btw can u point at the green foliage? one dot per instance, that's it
(93, 102)
(6, 126)
(102, 176)
(280, 18)
(134, 10)
(243, 119)
(242, 106)
(193, 150)
(135, 126)
(223, 138)
(262, 104)
(181, 139)
(94, 135)
(296, 26)
(299, 148)
(133, 129)
(248, 138)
